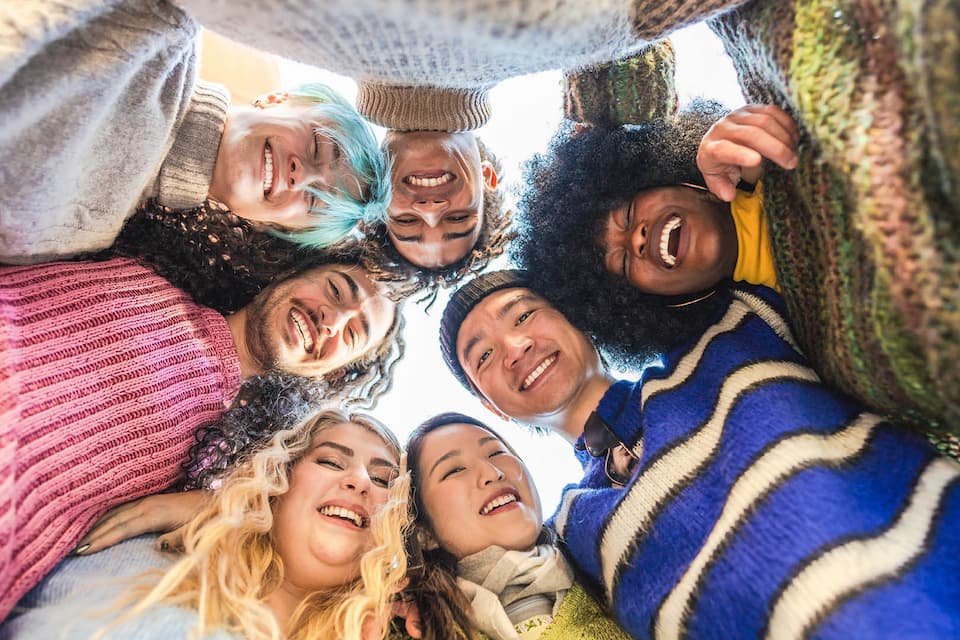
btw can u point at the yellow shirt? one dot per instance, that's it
(754, 258)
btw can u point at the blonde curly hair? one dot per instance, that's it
(231, 566)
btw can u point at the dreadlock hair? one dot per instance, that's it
(444, 609)
(562, 211)
(494, 237)
(231, 564)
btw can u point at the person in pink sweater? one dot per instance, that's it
(107, 370)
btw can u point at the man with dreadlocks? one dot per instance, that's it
(107, 371)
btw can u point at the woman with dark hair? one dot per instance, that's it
(480, 557)
(619, 231)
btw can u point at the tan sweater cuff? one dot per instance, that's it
(423, 108)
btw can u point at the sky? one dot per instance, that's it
(526, 112)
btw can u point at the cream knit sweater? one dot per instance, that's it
(427, 64)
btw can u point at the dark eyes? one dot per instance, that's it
(523, 317)
(335, 291)
(483, 357)
(451, 471)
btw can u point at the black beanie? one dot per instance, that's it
(462, 302)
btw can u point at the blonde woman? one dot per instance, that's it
(304, 540)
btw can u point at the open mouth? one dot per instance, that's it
(430, 179)
(498, 503)
(536, 373)
(670, 240)
(302, 324)
(347, 515)
(267, 170)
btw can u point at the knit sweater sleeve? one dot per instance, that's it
(91, 95)
(763, 501)
(106, 372)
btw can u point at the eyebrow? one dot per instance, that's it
(456, 452)
(447, 236)
(501, 314)
(459, 234)
(347, 451)
(355, 291)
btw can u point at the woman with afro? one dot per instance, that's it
(633, 231)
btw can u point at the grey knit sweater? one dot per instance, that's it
(427, 64)
(97, 110)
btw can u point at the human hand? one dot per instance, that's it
(735, 146)
(159, 512)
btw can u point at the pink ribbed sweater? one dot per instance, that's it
(106, 370)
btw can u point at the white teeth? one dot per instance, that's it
(301, 323)
(267, 169)
(530, 379)
(665, 255)
(342, 512)
(429, 182)
(497, 502)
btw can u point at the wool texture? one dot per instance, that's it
(106, 371)
(465, 46)
(93, 96)
(764, 503)
(865, 234)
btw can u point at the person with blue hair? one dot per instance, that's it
(102, 110)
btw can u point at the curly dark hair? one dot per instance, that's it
(495, 234)
(565, 198)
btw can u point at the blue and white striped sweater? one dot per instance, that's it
(765, 504)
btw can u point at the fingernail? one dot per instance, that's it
(79, 550)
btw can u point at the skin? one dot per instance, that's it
(436, 225)
(507, 338)
(705, 243)
(349, 467)
(301, 157)
(642, 236)
(312, 324)
(463, 468)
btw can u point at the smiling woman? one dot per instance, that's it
(276, 553)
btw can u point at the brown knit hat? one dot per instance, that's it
(460, 305)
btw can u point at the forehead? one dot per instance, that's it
(494, 308)
(453, 436)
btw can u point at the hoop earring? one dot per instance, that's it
(694, 301)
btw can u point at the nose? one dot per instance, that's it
(336, 318)
(302, 173)
(515, 345)
(488, 473)
(431, 209)
(356, 478)
(638, 239)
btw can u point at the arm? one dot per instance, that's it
(735, 146)
(161, 512)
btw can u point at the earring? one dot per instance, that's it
(694, 301)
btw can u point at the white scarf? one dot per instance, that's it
(494, 578)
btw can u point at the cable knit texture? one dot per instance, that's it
(106, 370)
(91, 96)
(469, 45)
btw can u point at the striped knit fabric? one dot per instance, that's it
(765, 504)
(106, 370)
(867, 236)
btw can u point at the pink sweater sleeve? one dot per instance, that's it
(106, 371)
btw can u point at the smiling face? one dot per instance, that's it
(524, 356)
(436, 212)
(315, 322)
(268, 157)
(671, 241)
(476, 493)
(322, 524)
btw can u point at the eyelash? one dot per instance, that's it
(520, 320)
(335, 291)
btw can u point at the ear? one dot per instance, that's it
(490, 177)
(272, 99)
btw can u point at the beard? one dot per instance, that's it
(260, 346)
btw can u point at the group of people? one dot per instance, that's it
(199, 295)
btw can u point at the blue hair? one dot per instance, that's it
(341, 212)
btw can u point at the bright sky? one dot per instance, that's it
(526, 112)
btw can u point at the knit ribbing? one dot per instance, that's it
(106, 370)
(423, 108)
(184, 179)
